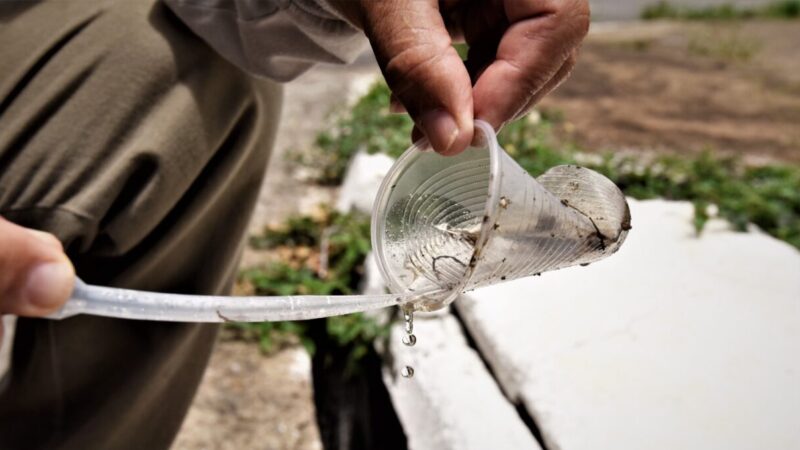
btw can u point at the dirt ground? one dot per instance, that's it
(249, 401)
(639, 87)
(730, 88)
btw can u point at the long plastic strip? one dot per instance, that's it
(143, 305)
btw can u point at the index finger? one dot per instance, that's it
(540, 39)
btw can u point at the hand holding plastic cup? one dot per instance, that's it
(440, 226)
(466, 221)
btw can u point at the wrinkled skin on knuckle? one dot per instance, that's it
(568, 26)
(412, 63)
(567, 19)
(391, 26)
(411, 46)
(575, 15)
(531, 80)
(417, 74)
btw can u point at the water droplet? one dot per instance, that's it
(410, 340)
(409, 318)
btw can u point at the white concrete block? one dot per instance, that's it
(452, 402)
(362, 181)
(359, 84)
(676, 342)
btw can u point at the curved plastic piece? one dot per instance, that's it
(143, 305)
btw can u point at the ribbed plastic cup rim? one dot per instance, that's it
(491, 209)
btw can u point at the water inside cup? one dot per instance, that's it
(457, 223)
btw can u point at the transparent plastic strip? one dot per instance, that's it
(143, 305)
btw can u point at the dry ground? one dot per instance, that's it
(731, 88)
(249, 401)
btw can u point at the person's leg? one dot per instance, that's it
(142, 150)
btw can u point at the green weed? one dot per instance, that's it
(781, 9)
(724, 44)
(343, 241)
(368, 125)
(767, 196)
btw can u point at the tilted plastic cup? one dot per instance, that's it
(452, 224)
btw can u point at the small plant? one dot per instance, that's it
(271, 336)
(724, 44)
(781, 9)
(660, 10)
(789, 9)
(368, 125)
(322, 255)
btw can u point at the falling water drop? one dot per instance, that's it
(409, 339)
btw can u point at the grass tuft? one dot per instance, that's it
(323, 255)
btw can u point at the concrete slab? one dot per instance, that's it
(362, 181)
(452, 402)
(675, 342)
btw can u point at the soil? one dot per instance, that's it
(250, 401)
(685, 88)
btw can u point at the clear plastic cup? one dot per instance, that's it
(451, 224)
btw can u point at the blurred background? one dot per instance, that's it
(690, 101)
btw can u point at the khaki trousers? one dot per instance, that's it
(127, 137)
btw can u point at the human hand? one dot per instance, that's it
(36, 277)
(519, 50)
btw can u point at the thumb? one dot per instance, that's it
(422, 68)
(36, 277)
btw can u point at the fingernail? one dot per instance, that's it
(440, 129)
(49, 285)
